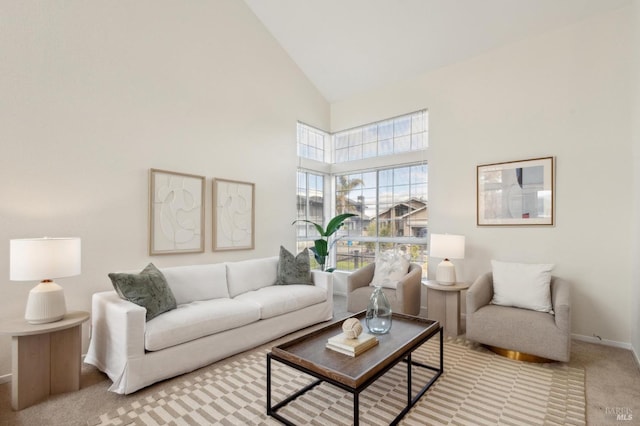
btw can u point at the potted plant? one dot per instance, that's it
(321, 246)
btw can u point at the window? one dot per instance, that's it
(391, 205)
(387, 192)
(312, 143)
(393, 136)
(310, 203)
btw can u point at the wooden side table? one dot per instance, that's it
(45, 358)
(443, 304)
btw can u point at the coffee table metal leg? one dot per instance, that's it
(441, 352)
(269, 384)
(271, 409)
(356, 409)
(412, 401)
(409, 380)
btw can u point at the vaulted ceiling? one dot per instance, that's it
(350, 46)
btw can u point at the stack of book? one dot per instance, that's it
(352, 347)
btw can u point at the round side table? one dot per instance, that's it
(45, 358)
(443, 305)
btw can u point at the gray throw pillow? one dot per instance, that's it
(148, 289)
(294, 269)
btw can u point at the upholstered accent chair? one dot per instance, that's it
(405, 298)
(517, 331)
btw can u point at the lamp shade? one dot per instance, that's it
(44, 259)
(446, 246)
(38, 259)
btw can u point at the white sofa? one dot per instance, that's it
(223, 309)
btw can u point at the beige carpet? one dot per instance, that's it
(477, 388)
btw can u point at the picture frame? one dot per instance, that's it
(176, 212)
(516, 193)
(233, 215)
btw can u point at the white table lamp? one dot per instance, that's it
(45, 259)
(445, 246)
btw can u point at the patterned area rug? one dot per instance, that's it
(477, 388)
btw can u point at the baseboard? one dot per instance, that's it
(600, 341)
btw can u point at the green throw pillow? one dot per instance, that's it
(294, 269)
(148, 289)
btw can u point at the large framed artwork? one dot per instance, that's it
(176, 212)
(516, 193)
(233, 215)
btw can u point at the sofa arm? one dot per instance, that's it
(117, 333)
(360, 278)
(480, 293)
(409, 289)
(561, 302)
(323, 280)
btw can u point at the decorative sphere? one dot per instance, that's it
(351, 328)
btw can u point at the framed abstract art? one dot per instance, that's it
(176, 212)
(516, 193)
(233, 215)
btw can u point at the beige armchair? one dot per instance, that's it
(519, 332)
(405, 298)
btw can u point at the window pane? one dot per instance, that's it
(385, 129)
(355, 137)
(385, 147)
(418, 122)
(341, 140)
(419, 174)
(342, 155)
(402, 144)
(355, 152)
(370, 133)
(418, 141)
(370, 150)
(402, 126)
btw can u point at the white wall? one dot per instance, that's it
(563, 94)
(96, 93)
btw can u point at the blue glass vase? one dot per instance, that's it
(378, 317)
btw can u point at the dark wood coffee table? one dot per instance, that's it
(354, 374)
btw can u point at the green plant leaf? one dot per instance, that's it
(318, 227)
(335, 223)
(321, 247)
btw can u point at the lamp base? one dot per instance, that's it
(45, 303)
(446, 273)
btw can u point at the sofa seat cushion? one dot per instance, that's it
(506, 327)
(278, 300)
(198, 319)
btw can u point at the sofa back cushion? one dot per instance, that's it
(253, 274)
(197, 282)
